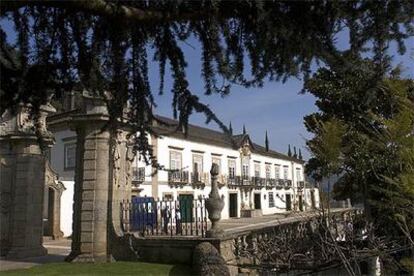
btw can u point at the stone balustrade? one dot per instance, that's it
(248, 245)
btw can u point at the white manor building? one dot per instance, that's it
(254, 180)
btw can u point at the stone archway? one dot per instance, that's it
(51, 207)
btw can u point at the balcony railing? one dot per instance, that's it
(177, 177)
(244, 180)
(270, 183)
(199, 180)
(258, 181)
(197, 177)
(301, 184)
(288, 184)
(280, 183)
(231, 180)
(138, 174)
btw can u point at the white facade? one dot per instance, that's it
(188, 156)
(272, 199)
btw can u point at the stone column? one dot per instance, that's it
(102, 181)
(90, 214)
(22, 184)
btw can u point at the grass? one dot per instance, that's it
(116, 268)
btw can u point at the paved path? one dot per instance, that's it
(57, 251)
(237, 225)
(233, 223)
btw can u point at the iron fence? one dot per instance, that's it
(149, 217)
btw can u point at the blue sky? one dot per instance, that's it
(276, 107)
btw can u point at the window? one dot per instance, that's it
(257, 169)
(232, 168)
(267, 168)
(245, 172)
(271, 200)
(197, 166)
(298, 174)
(167, 196)
(217, 160)
(175, 160)
(277, 171)
(285, 172)
(70, 156)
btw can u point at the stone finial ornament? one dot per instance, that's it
(214, 204)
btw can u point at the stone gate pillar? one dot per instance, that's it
(22, 181)
(90, 210)
(102, 179)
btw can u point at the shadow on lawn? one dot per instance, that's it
(181, 270)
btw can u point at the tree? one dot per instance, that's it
(102, 46)
(289, 153)
(376, 146)
(326, 148)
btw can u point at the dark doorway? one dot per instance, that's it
(48, 220)
(288, 203)
(233, 205)
(313, 199)
(186, 207)
(257, 202)
(300, 203)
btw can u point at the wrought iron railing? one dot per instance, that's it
(270, 183)
(280, 183)
(149, 217)
(301, 184)
(199, 180)
(258, 181)
(288, 184)
(231, 180)
(178, 177)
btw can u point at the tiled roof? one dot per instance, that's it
(213, 137)
(195, 134)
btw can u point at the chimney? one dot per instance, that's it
(244, 129)
(266, 142)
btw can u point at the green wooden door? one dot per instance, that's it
(186, 207)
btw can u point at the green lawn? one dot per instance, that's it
(116, 268)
